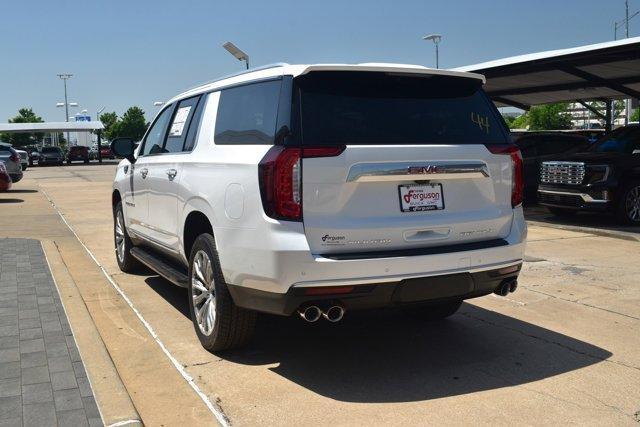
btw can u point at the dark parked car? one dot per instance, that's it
(606, 177)
(540, 146)
(78, 153)
(50, 155)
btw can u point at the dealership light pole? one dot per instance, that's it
(65, 77)
(236, 52)
(435, 38)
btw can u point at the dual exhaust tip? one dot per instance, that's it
(507, 286)
(312, 313)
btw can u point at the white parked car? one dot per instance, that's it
(319, 189)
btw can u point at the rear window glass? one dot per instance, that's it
(247, 114)
(360, 108)
(50, 150)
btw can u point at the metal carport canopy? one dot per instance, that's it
(51, 127)
(602, 71)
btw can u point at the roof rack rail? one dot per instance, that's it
(250, 70)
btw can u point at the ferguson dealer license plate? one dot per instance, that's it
(415, 198)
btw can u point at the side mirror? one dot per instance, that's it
(124, 147)
(636, 151)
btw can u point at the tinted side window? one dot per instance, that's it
(190, 141)
(180, 125)
(247, 114)
(155, 137)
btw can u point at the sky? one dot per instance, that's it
(136, 52)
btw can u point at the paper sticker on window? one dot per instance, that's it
(482, 122)
(179, 121)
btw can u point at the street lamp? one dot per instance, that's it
(65, 77)
(158, 103)
(235, 51)
(435, 38)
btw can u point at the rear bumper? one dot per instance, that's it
(278, 260)
(15, 177)
(422, 290)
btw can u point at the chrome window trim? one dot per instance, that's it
(412, 171)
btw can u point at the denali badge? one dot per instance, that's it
(472, 232)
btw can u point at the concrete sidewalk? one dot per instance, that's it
(43, 381)
(133, 380)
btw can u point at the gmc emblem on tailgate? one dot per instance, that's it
(424, 170)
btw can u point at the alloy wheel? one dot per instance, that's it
(203, 292)
(632, 204)
(120, 241)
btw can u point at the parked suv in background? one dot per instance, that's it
(604, 178)
(50, 155)
(537, 147)
(78, 153)
(12, 162)
(319, 189)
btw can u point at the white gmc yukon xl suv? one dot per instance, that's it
(319, 189)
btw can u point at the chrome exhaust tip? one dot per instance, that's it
(310, 313)
(503, 289)
(334, 313)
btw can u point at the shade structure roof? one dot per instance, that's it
(51, 127)
(600, 71)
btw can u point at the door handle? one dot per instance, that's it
(144, 172)
(171, 173)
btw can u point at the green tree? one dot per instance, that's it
(132, 125)
(550, 116)
(520, 122)
(635, 117)
(108, 120)
(25, 115)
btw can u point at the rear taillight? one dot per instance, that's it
(280, 174)
(517, 184)
(14, 157)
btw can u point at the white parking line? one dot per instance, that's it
(222, 419)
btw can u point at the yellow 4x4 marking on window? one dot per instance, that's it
(481, 121)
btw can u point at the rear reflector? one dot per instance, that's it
(329, 290)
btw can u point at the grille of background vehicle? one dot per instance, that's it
(562, 172)
(560, 199)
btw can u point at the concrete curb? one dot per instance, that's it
(114, 402)
(614, 234)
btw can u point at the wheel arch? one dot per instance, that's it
(197, 218)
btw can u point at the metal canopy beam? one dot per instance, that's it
(611, 84)
(592, 109)
(559, 87)
(507, 101)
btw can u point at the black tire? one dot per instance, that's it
(24, 168)
(628, 208)
(432, 313)
(562, 212)
(68, 162)
(60, 163)
(86, 160)
(126, 261)
(232, 326)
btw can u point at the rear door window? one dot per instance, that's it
(179, 126)
(361, 108)
(247, 114)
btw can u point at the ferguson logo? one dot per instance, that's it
(332, 239)
(420, 196)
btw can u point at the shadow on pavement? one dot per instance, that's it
(22, 191)
(581, 219)
(174, 295)
(8, 201)
(387, 356)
